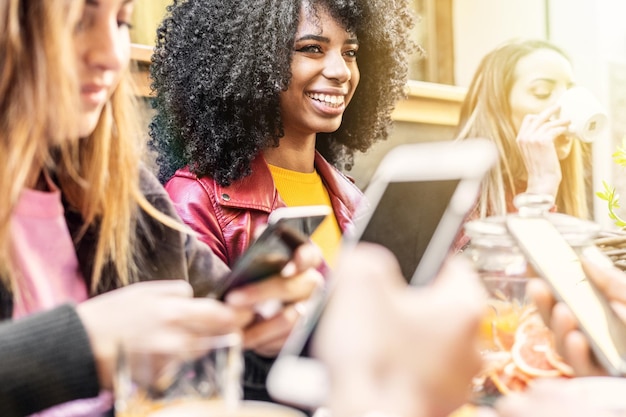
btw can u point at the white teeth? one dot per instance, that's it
(329, 100)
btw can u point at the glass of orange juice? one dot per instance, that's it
(153, 381)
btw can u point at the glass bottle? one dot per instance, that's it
(505, 271)
(494, 251)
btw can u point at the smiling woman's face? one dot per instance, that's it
(102, 45)
(541, 77)
(324, 72)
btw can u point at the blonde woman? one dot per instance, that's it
(80, 217)
(512, 100)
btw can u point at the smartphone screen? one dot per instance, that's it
(288, 228)
(304, 219)
(406, 217)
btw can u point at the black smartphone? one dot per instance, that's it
(557, 262)
(287, 228)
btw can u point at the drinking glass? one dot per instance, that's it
(506, 305)
(154, 381)
(505, 309)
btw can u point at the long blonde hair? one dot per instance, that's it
(98, 175)
(486, 113)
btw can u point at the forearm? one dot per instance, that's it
(45, 359)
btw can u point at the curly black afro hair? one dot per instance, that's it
(219, 66)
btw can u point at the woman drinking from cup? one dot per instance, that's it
(514, 100)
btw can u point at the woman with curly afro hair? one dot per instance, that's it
(257, 100)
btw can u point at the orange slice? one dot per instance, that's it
(507, 382)
(557, 362)
(533, 341)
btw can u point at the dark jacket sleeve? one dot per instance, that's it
(45, 359)
(194, 206)
(172, 254)
(204, 269)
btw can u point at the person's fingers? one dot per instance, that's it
(559, 125)
(369, 260)
(540, 294)
(200, 316)
(455, 266)
(549, 113)
(532, 121)
(580, 357)
(541, 129)
(365, 280)
(270, 349)
(265, 331)
(271, 333)
(562, 323)
(297, 281)
(620, 309)
(457, 270)
(609, 280)
(459, 281)
(287, 290)
(264, 339)
(571, 343)
(306, 256)
(244, 316)
(541, 136)
(176, 287)
(258, 231)
(553, 130)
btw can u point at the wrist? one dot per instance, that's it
(104, 352)
(526, 203)
(548, 185)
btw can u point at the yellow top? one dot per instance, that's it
(307, 189)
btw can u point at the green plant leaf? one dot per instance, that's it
(619, 156)
(612, 198)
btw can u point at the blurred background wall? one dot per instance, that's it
(456, 34)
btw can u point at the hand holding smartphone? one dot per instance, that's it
(555, 261)
(288, 228)
(418, 199)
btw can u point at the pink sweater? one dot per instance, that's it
(49, 275)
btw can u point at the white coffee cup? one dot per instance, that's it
(588, 117)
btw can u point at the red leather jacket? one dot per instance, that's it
(226, 217)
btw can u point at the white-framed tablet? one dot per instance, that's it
(416, 203)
